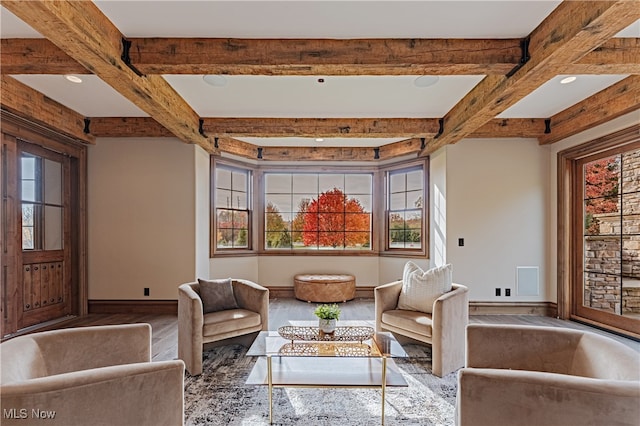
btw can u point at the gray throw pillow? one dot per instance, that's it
(217, 295)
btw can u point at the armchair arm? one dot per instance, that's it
(450, 317)
(253, 297)
(102, 346)
(386, 299)
(190, 323)
(508, 397)
(135, 394)
(517, 347)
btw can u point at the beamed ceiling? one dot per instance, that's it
(342, 71)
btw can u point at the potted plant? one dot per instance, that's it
(328, 316)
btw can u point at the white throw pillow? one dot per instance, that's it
(421, 288)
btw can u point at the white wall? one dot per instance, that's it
(496, 199)
(141, 219)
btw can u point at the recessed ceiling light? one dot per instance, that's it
(215, 80)
(426, 80)
(73, 78)
(319, 140)
(568, 80)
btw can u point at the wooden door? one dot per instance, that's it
(44, 221)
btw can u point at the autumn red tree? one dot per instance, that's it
(600, 190)
(334, 220)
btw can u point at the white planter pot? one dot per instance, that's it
(327, 325)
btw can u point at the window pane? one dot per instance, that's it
(240, 238)
(28, 167)
(305, 183)
(239, 200)
(223, 198)
(313, 211)
(601, 216)
(415, 180)
(358, 240)
(602, 291)
(277, 183)
(397, 201)
(28, 190)
(52, 182)
(52, 228)
(601, 177)
(397, 183)
(406, 206)
(329, 182)
(239, 181)
(223, 178)
(357, 184)
(363, 202)
(414, 199)
(279, 202)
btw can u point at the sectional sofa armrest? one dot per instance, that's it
(450, 316)
(386, 299)
(102, 346)
(517, 347)
(253, 297)
(135, 394)
(507, 397)
(190, 324)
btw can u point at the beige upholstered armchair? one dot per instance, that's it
(89, 375)
(239, 324)
(443, 329)
(543, 376)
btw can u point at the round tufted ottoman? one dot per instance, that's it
(324, 288)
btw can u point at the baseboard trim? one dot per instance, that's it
(133, 307)
(547, 309)
(157, 307)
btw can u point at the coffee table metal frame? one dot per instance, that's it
(271, 345)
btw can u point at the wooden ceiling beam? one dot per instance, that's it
(321, 127)
(612, 102)
(41, 56)
(615, 56)
(324, 56)
(36, 56)
(82, 31)
(128, 127)
(569, 33)
(25, 102)
(510, 128)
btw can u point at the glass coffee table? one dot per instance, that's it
(300, 355)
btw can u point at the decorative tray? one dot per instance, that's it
(314, 334)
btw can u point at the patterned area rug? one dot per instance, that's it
(220, 396)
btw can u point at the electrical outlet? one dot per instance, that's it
(497, 291)
(146, 291)
(507, 292)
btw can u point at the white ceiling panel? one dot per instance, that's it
(328, 19)
(553, 97)
(338, 96)
(91, 98)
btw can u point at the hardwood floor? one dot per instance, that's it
(165, 328)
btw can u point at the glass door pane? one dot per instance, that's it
(611, 219)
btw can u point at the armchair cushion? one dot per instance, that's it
(416, 322)
(217, 295)
(226, 321)
(421, 288)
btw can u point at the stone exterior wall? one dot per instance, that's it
(603, 252)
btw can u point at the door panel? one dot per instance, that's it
(44, 223)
